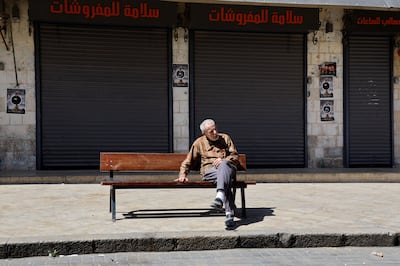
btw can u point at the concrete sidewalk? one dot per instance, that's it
(74, 218)
(276, 175)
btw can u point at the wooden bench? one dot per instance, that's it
(112, 162)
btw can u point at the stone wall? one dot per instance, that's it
(180, 55)
(17, 131)
(325, 138)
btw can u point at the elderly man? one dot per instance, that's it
(218, 159)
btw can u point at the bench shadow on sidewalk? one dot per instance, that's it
(254, 215)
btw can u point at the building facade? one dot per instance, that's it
(296, 85)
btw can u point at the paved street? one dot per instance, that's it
(76, 210)
(74, 219)
(348, 256)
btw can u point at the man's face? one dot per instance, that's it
(211, 133)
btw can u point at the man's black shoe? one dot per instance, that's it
(229, 222)
(217, 204)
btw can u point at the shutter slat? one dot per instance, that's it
(252, 85)
(102, 89)
(369, 101)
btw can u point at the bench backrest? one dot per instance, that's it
(132, 161)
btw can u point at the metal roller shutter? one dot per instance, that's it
(369, 131)
(252, 84)
(101, 89)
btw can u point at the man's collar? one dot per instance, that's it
(212, 143)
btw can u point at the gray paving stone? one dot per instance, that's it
(276, 257)
(74, 218)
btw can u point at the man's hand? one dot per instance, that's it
(217, 162)
(182, 179)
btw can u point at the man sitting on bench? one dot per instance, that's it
(218, 159)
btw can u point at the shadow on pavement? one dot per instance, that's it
(171, 213)
(254, 215)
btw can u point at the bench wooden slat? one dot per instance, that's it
(132, 161)
(171, 184)
(117, 161)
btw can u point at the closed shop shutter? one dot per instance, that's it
(369, 131)
(252, 84)
(101, 89)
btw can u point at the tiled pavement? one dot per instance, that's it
(74, 218)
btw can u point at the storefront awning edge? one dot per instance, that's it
(354, 4)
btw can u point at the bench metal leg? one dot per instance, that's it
(111, 178)
(243, 203)
(112, 203)
(109, 207)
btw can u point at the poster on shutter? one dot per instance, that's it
(180, 75)
(16, 101)
(327, 113)
(326, 87)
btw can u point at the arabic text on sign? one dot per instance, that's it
(378, 21)
(243, 18)
(112, 10)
